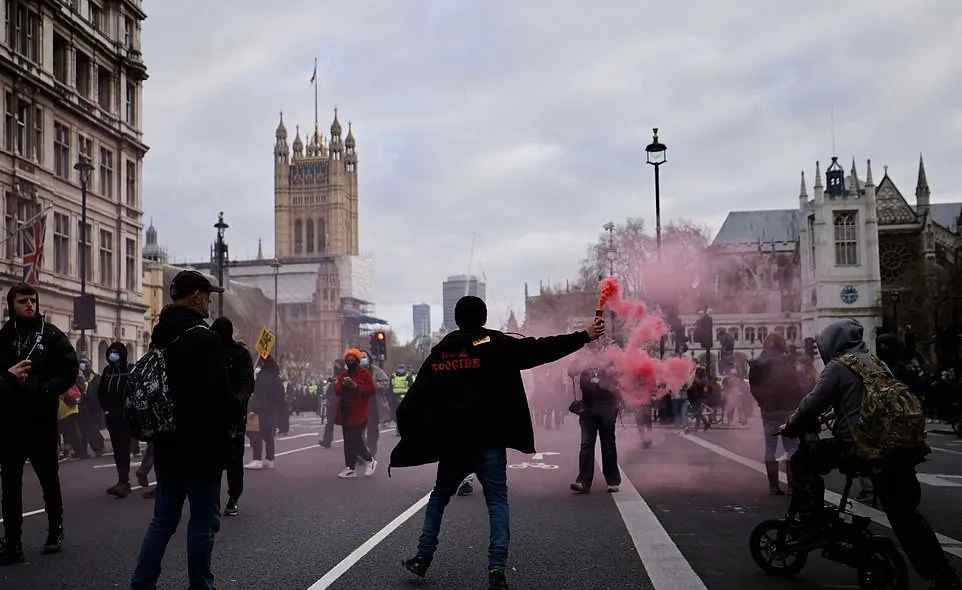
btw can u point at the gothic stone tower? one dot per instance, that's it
(315, 195)
(839, 252)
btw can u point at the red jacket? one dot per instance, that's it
(352, 402)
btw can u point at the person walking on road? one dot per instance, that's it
(777, 387)
(382, 389)
(39, 365)
(89, 417)
(466, 408)
(240, 370)
(268, 404)
(599, 392)
(330, 406)
(111, 397)
(189, 461)
(354, 389)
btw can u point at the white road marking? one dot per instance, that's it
(663, 561)
(338, 570)
(950, 451)
(292, 451)
(541, 456)
(949, 545)
(940, 480)
(41, 511)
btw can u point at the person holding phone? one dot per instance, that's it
(39, 365)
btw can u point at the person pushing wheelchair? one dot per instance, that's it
(876, 428)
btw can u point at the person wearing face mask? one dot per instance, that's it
(189, 461)
(89, 417)
(39, 365)
(112, 385)
(330, 406)
(354, 389)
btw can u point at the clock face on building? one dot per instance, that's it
(849, 294)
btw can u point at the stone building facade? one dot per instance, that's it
(71, 76)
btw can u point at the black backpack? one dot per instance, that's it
(148, 403)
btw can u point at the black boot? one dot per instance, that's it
(54, 543)
(417, 566)
(11, 553)
(771, 468)
(497, 580)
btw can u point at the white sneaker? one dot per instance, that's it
(255, 464)
(370, 467)
(347, 473)
(268, 464)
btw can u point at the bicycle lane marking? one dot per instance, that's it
(663, 561)
(949, 545)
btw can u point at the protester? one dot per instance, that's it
(400, 383)
(777, 387)
(465, 409)
(268, 404)
(190, 460)
(40, 366)
(699, 394)
(896, 484)
(602, 400)
(354, 389)
(89, 417)
(382, 389)
(330, 405)
(240, 371)
(68, 415)
(111, 397)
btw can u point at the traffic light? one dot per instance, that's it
(379, 345)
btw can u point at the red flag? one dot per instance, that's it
(33, 251)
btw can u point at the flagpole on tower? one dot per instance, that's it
(314, 81)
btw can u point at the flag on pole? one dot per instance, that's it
(33, 250)
(314, 77)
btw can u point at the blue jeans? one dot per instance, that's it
(771, 424)
(490, 465)
(204, 497)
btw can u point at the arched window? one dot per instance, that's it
(846, 238)
(310, 236)
(762, 334)
(321, 235)
(750, 334)
(791, 334)
(298, 237)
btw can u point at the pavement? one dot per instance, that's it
(681, 521)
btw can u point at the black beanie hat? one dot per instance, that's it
(470, 313)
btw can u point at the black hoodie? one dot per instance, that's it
(468, 395)
(32, 406)
(837, 387)
(113, 381)
(198, 381)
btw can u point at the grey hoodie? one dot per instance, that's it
(837, 387)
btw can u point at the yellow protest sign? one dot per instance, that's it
(265, 343)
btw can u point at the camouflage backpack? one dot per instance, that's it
(891, 423)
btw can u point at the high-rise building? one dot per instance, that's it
(455, 288)
(72, 87)
(422, 320)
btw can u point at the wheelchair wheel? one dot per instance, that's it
(766, 542)
(883, 567)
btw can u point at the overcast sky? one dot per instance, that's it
(524, 122)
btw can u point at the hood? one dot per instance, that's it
(840, 337)
(117, 347)
(174, 321)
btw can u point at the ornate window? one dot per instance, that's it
(894, 258)
(846, 238)
(310, 236)
(298, 237)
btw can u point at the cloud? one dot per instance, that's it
(521, 125)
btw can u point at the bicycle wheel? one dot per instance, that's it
(883, 567)
(765, 544)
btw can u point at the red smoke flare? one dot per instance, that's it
(610, 289)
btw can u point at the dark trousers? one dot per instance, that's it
(373, 432)
(89, 422)
(490, 465)
(235, 467)
(70, 428)
(172, 492)
(354, 447)
(40, 447)
(120, 441)
(147, 462)
(593, 426)
(263, 440)
(330, 406)
(897, 488)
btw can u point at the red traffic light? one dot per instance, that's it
(380, 335)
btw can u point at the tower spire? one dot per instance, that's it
(922, 189)
(818, 175)
(803, 192)
(855, 186)
(868, 173)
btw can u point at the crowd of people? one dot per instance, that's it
(463, 410)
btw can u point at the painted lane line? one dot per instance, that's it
(663, 561)
(339, 570)
(292, 451)
(950, 451)
(949, 545)
(41, 511)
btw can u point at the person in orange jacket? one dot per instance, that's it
(354, 388)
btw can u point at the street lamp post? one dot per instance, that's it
(656, 154)
(219, 254)
(83, 168)
(276, 265)
(610, 228)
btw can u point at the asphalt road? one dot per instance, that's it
(682, 520)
